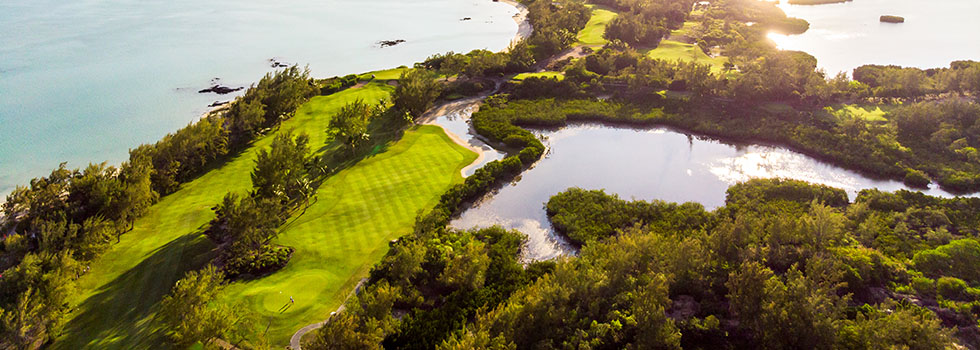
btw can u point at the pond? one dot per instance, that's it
(847, 35)
(454, 117)
(85, 80)
(644, 164)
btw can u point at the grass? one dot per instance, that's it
(673, 50)
(559, 75)
(117, 298)
(594, 30)
(387, 74)
(347, 230)
(867, 113)
(686, 30)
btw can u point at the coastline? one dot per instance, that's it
(524, 28)
(458, 108)
(524, 31)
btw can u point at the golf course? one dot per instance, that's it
(337, 238)
(594, 32)
(677, 51)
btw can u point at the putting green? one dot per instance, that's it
(594, 30)
(387, 74)
(867, 113)
(347, 229)
(673, 51)
(117, 298)
(558, 75)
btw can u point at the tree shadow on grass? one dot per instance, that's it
(121, 314)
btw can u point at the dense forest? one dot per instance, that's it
(783, 265)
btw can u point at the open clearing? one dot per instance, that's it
(118, 297)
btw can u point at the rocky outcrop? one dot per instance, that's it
(274, 63)
(387, 43)
(220, 89)
(892, 19)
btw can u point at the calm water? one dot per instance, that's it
(455, 119)
(85, 80)
(847, 35)
(644, 164)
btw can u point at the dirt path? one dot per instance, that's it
(573, 52)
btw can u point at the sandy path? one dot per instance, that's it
(572, 52)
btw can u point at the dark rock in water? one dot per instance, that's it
(386, 43)
(220, 90)
(277, 64)
(892, 19)
(218, 103)
(465, 19)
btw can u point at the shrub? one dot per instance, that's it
(960, 258)
(952, 288)
(924, 286)
(267, 260)
(916, 179)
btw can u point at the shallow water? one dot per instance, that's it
(644, 164)
(456, 121)
(85, 80)
(847, 35)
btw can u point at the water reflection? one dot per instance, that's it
(454, 117)
(644, 164)
(847, 35)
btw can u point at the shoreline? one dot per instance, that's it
(524, 28)
(457, 107)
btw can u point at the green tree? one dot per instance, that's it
(350, 124)
(247, 117)
(281, 171)
(189, 315)
(363, 325)
(901, 327)
(417, 90)
(245, 224)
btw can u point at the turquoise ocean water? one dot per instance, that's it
(85, 80)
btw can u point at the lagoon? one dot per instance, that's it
(847, 35)
(644, 164)
(85, 80)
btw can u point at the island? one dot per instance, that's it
(892, 19)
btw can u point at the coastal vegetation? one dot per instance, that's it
(258, 220)
(56, 228)
(167, 241)
(784, 264)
